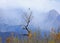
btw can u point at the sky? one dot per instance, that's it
(39, 5)
(35, 5)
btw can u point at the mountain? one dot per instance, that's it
(56, 23)
(16, 28)
(58, 18)
(52, 15)
(52, 20)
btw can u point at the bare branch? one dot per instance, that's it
(27, 18)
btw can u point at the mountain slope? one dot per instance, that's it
(8, 28)
(52, 20)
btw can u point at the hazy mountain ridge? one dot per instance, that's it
(52, 20)
(55, 18)
(7, 28)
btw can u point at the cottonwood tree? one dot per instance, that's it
(58, 35)
(45, 37)
(38, 35)
(58, 30)
(53, 35)
(27, 18)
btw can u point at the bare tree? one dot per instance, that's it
(27, 18)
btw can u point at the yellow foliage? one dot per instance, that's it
(15, 40)
(58, 36)
(29, 35)
(51, 41)
(34, 34)
(8, 40)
